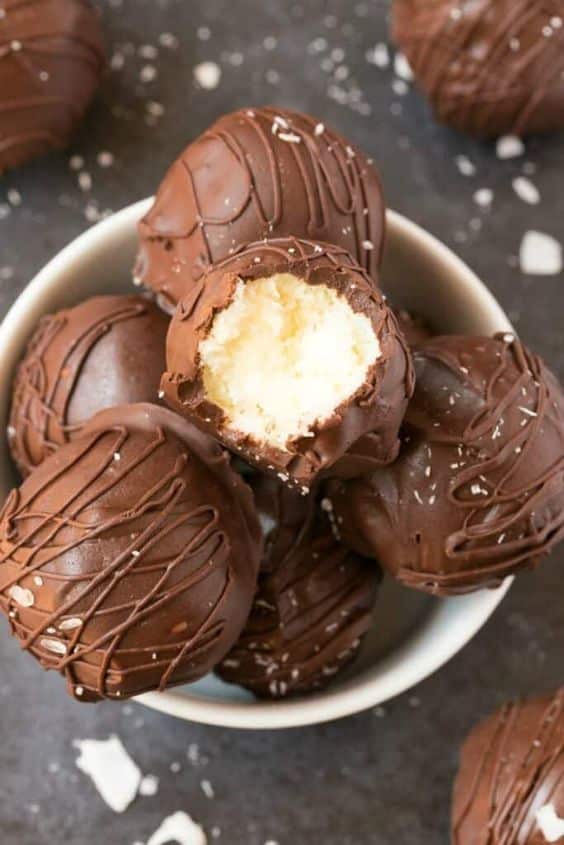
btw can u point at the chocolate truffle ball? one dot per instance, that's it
(106, 351)
(488, 67)
(51, 61)
(313, 605)
(128, 559)
(477, 492)
(414, 328)
(510, 787)
(287, 353)
(258, 173)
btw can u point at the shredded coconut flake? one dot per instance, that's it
(526, 191)
(550, 823)
(207, 75)
(178, 828)
(509, 146)
(115, 775)
(21, 596)
(540, 254)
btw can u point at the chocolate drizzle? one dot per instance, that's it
(489, 67)
(313, 605)
(511, 766)
(478, 490)
(128, 559)
(108, 350)
(51, 60)
(376, 408)
(254, 174)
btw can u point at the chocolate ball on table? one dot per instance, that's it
(129, 558)
(287, 353)
(258, 173)
(510, 785)
(477, 492)
(314, 602)
(107, 351)
(51, 61)
(488, 67)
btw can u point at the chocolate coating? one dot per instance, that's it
(51, 61)
(376, 408)
(107, 351)
(488, 67)
(313, 605)
(477, 492)
(511, 767)
(128, 559)
(257, 173)
(414, 328)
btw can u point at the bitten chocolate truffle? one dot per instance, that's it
(488, 67)
(287, 353)
(313, 605)
(258, 173)
(477, 492)
(107, 351)
(510, 787)
(51, 61)
(128, 559)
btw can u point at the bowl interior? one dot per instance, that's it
(413, 634)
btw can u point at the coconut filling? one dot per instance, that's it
(283, 355)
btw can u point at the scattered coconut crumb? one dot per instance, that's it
(178, 828)
(465, 166)
(149, 786)
(540, 254)
(379, 55)
(526, 190)
(509, 146)
(484, 197)
(402, 67)
(207, 75)
(115, 775)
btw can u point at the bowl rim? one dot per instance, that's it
(404, 667)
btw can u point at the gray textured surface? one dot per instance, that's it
(375, 778)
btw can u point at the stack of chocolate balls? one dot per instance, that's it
(218, 469)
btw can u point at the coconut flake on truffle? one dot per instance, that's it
(284, 355)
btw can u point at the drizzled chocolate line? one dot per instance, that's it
(47, 395)
(506, 500)
(517, 767)
(61, 380)
(312, 608)
(333, 176)
(85, 582)
(486, 66)
(36, 37)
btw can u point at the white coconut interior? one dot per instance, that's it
(283, 355)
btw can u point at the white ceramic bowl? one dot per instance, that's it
(413, 634)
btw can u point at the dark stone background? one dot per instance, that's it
(380, 777)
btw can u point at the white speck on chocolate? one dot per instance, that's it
(509, 146)
(38, 580)
(52, 645)
(203, 33)
(14, 197)
(70, 624)
(526, 190)
(21, 596)
(417, 497)
(168, 40)
(113, 772)
(207, 75)
(207, 789)
(180, 829)
(540, 254)
(105, 158)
